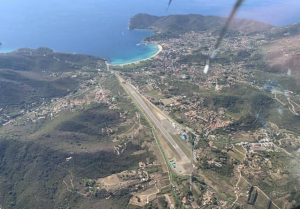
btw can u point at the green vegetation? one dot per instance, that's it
(22, 60)
(32, 170)
(18, 90)
(25, 75)
(89, 70)
(35, 173)
(246, 123)
(91, 121)
(163, 203)
(200, 58)
(138, 66)
(194, 58)
(227, 167)
(142, 21)
(183, 88)
(29, 170)
(102, 164)
(183, 23)
(162, 36)
(155, 94)
(230, 102)
(295, 195)
(121, 97)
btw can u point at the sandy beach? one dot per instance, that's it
(160, 48)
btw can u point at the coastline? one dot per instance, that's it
(160, 49)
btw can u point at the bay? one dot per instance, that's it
(100, 27)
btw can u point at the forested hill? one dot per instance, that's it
(26, 75)
(194, 22)
(44, 59)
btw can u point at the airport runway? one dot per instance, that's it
(154, 120)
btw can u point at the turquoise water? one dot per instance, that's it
(99, 27)
(94, 27)
(136, 54)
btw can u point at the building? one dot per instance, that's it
(167, 102)
(257, 148)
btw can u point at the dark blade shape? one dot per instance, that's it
(229, 19)
(169, 3)
(222, 34)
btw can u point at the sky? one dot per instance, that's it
(276, 12)
(272, 11)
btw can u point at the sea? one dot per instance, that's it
(100, 27)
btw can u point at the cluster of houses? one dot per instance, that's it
(261, 146)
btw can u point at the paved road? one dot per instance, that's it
(154, 120)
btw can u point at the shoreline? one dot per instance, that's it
(160, 49)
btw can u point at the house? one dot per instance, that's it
(184, 200)
(167, 102)
(141, 165)
(257, 148)
(211, 144)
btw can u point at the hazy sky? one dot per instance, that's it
(277, 12)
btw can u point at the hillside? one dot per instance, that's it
(44, 59)
(58, 130)
(282, 49)
(28, 170)
(26, 75)
(285, 31)
(193, 22)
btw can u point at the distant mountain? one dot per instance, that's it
(194, 22)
